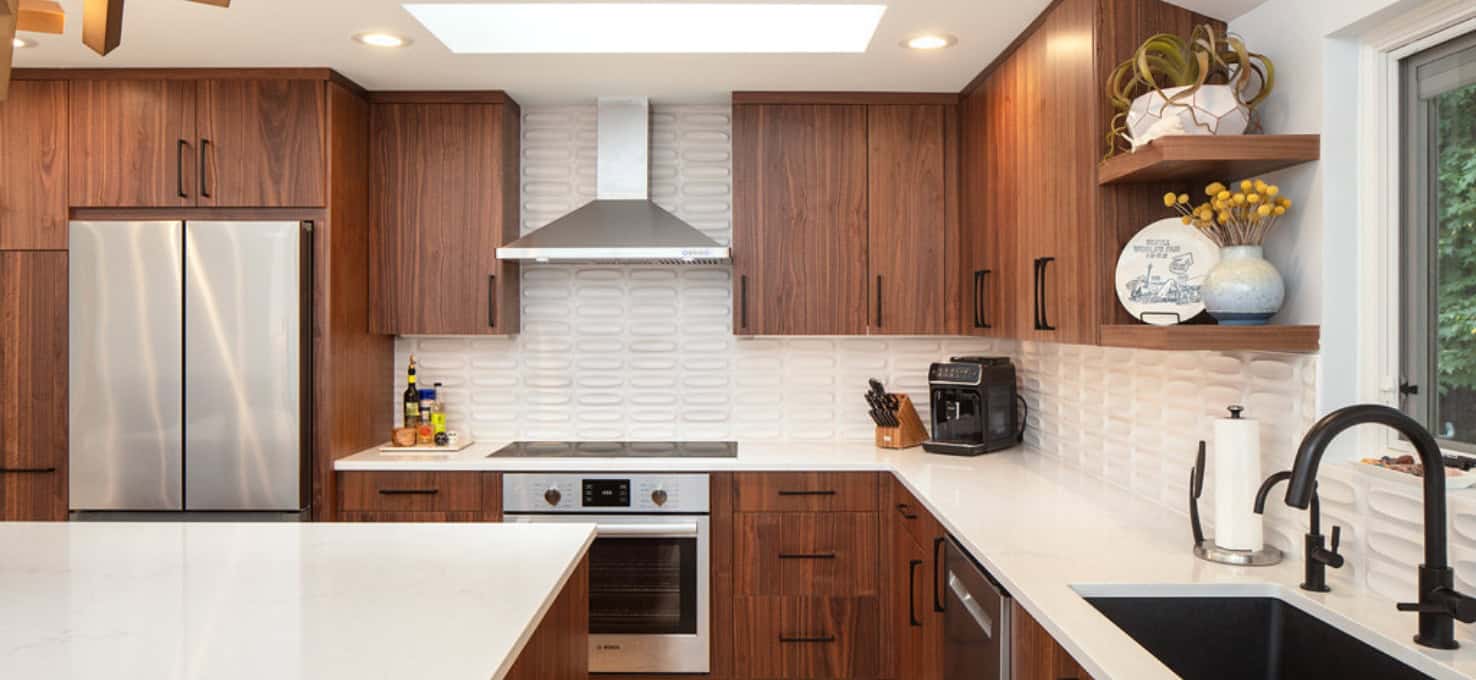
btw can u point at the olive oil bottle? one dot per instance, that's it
(411, 398)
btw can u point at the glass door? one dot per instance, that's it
(643, 586)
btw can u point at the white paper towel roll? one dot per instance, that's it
(1237, 469)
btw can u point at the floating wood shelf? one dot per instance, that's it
(1212, 337)
(1205, 157)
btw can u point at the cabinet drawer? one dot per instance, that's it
(410, 491)
(32, 494)
(800, 638)
(806, 491)
(807, 553)
(905, 509)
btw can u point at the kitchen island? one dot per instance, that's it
(288, 601)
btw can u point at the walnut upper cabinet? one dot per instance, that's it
(33, 166)
(840, 218)
(799, 232)
(181, 143)
(444, 183)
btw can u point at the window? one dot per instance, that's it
(1438, 259)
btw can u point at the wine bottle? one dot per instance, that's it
(411, 398)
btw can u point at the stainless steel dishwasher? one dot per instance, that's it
(976, 621)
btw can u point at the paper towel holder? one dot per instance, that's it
(1204, 546)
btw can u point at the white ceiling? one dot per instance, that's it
(174, 33)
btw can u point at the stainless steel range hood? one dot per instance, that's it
(621, 225)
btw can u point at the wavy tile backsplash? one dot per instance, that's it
(646, 352)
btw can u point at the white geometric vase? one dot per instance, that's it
(1212, 110)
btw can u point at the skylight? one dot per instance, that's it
(628, 28)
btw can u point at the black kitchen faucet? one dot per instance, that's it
(1439, 604)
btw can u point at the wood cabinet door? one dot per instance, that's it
(990, 289)
(33, 385)
(33, 166)
(1035, 655)
(443, 184)
(131, 143)
(262, 143)
(907, 220)
(800, 219)
(917, 625)
(806, 553)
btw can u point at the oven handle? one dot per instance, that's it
(682, 529)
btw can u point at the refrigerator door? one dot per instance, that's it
(125, 334)
(243, 347)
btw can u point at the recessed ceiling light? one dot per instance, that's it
(649, 28)
(22, 42)
(382, 40)
(930, 41)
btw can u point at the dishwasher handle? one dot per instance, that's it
(976, 612)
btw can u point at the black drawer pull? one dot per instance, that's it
(204, 173)
(29, 470)
(906, 511)
(179, 169)
(807, 556)
(912, 566)
(491, 300)
(823, 492)
(409, 492)
(743, 301)
(938, 575)
(807, 638)
(1045, 322)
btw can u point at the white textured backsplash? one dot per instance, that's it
(646, 352)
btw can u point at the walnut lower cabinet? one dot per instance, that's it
(913, 569)
(33, 385)
(420, 496)
(1035, 655)
(807, 586)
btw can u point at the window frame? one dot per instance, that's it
(1418, 236)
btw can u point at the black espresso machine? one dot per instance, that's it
(976, 408)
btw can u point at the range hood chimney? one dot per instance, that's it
(622, 225)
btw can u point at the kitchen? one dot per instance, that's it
(650, 277)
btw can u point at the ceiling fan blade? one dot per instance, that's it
(102, 25)
(41, 16)
(9, 11)
(217, 3)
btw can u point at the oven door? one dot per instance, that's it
(649, 591)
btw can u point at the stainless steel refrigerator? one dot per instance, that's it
(189, 366)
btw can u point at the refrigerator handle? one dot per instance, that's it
(306, 286)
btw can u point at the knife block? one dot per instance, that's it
(908, 433)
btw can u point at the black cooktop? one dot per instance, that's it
(617, 450)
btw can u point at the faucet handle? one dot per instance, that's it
(1337, 537)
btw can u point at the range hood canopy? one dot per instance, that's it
(621, 225)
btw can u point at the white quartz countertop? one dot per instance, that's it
(1045, 531)
(283, 601)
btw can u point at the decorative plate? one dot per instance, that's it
(1160, 272)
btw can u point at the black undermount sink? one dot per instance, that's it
(1246, 638)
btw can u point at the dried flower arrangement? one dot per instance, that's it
(1234, 218)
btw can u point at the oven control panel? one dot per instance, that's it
(605, 493)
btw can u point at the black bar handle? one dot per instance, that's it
(938, 572)
(984, 299)
(1045, 323)
(743, 301)
(807, 556)
(912, 566)
(409, 492)
(27, 470)
(1036, 292)
(179, 150)
(822, 492)
(978, 277)
(491, 300)
(906, 511)
(807, 638)
(204, 173)
(878, 301)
